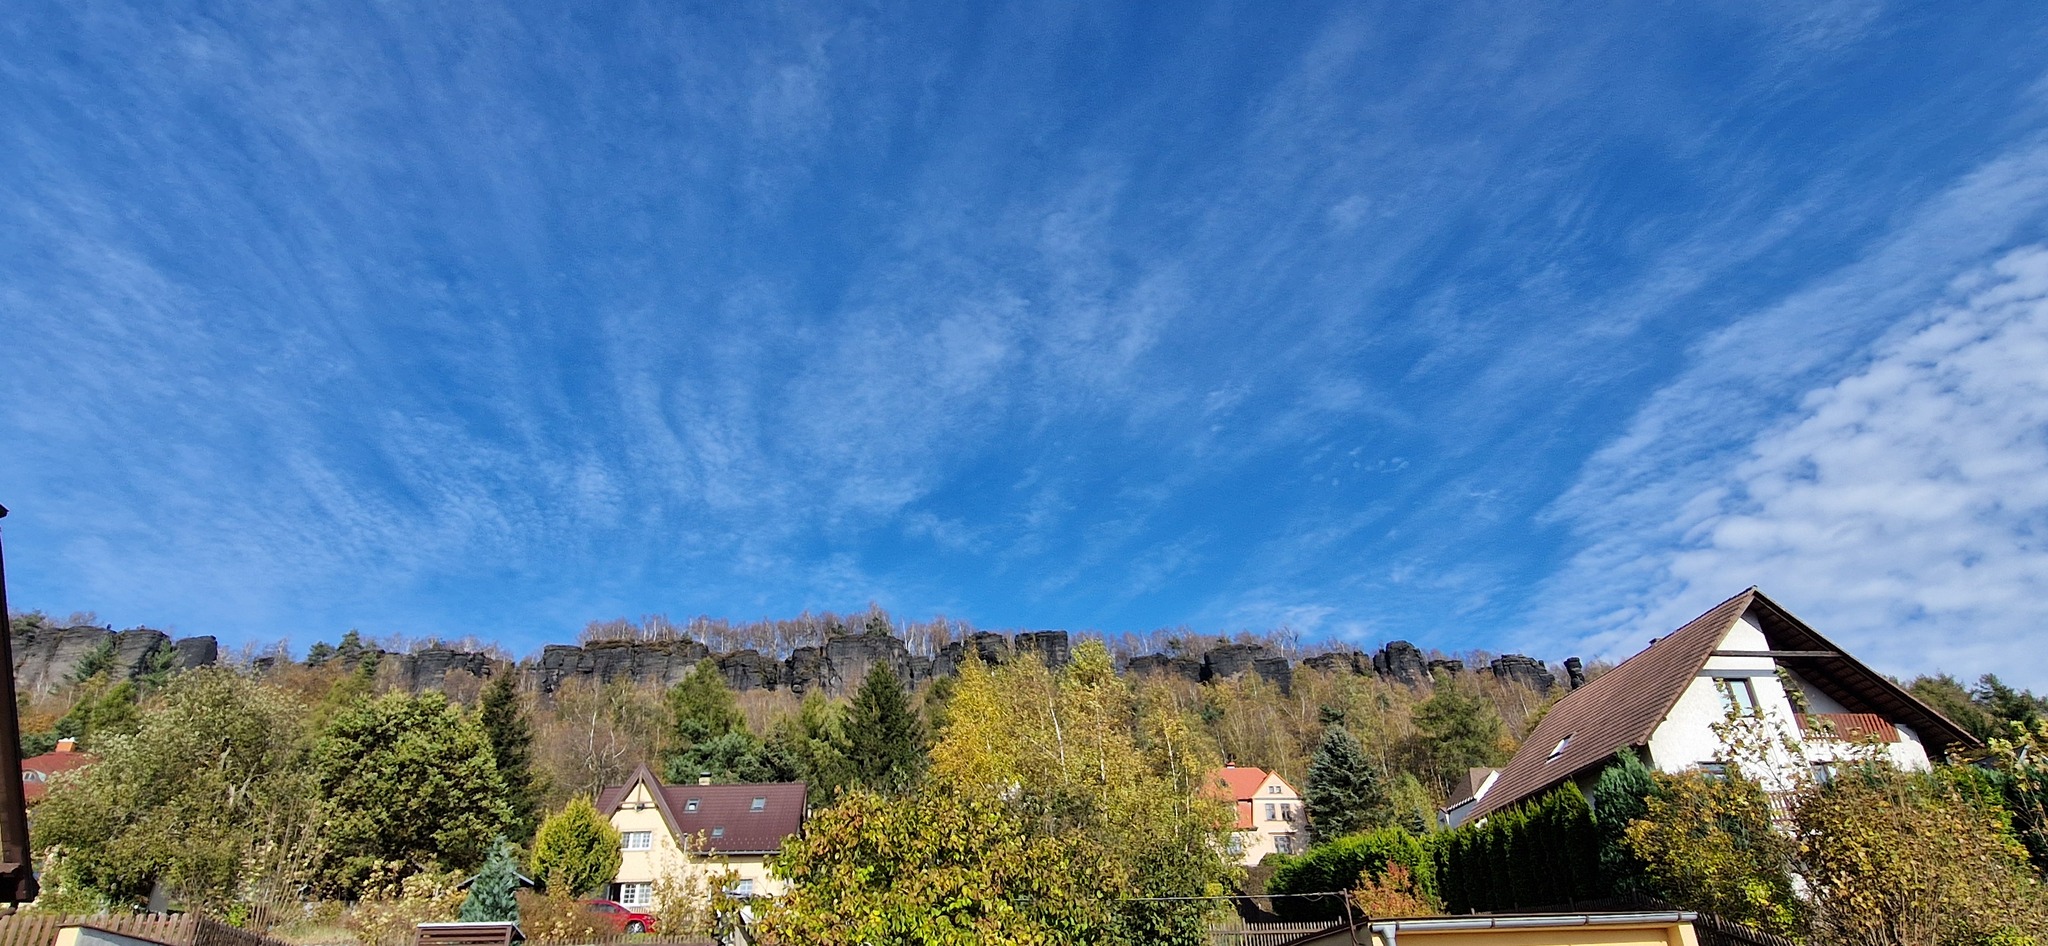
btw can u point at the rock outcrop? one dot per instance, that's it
(1401, 662)
(1527, 671)
(1232, 660)
(1187, 668)
(1340, 661)
(46, 658)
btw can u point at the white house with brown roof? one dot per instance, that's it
(1270, 816)
(741, 825)
(1746, 667)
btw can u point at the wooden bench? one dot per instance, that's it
(469, 934)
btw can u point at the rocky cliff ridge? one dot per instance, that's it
(46, 658)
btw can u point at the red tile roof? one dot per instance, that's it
(723, 814)
(46, 765)
(1239, 783)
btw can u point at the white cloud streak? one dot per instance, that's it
(1903, 510)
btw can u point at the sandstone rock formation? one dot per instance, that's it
(46, 658)
(1402, 662)
(1527, 671)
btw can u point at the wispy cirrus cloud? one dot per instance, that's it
(498, 319)
(1901, 509)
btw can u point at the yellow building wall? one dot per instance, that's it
(1655, 934)
(639, 813)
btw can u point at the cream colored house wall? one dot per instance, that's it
(638, 812)
(1263, 837)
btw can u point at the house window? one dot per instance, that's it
(1823, 773)
(637, 840)
(718, 832)
(1714, 770)
(636, 895)
(1283, 843)
(1270, 811)
(1287, 812)
(1737, 694)
(743, 888)
(1561, 743)
(690, 805)
(760, 804)
(1272, 789)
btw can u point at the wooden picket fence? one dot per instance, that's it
(39, 929)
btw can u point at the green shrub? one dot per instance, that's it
(1337, 866)
(1543, 853)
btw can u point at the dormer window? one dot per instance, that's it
(760, 804)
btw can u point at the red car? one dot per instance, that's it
(621, 916)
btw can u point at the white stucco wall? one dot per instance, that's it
(638, 813)
(1688, 736)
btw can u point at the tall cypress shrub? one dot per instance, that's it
(1620, 796)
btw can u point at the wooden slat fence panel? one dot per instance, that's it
(1714, 931)
(38, 929)
(1260, 934)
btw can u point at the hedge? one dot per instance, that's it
(1338, 866)
(1542, 854)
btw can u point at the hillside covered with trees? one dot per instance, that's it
(262, 791)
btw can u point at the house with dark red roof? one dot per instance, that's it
(665, 828)
(1270, 816)
(36, 771)
(1746, 663)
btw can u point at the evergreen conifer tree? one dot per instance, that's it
(1459, 730)
(1621, 795)
(1346, 792)
(703, 706)
(885, 748)
(511, 736)
(491, 894)
(576, 850)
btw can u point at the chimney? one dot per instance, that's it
(703, 778)
(67, 744)
(1575, 672)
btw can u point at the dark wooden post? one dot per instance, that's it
(17, 874)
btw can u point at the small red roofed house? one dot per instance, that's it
(1270, 816)
(37, 770)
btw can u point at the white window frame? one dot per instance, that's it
(760, 804)
(1738, 694)
(636, 840)
(640, 894)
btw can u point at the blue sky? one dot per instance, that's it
(1517, 326)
